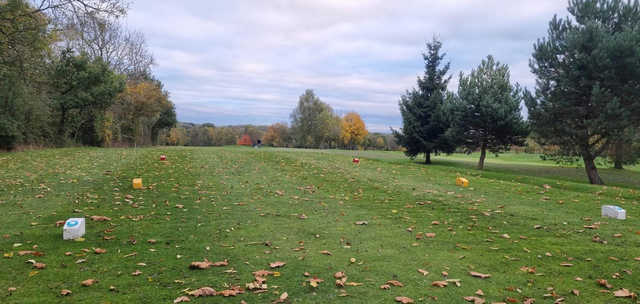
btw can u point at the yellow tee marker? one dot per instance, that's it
(461, 181)
(137, 183)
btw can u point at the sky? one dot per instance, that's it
(248, 62)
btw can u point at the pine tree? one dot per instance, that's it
(588, 79)
(424, 117)
(487, 111)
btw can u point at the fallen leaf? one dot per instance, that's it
(60, 223)
(362, 223)
(604, 283)
(11, 289)
(475, 300)
(566, 264)
(99, 218)
(404, 300)
(430, 235)
(277, 264)
(385, 286)
(479, 275)
(423, 272)
(325, 252)
(339, 275)
(220, 264)
(203, 292)
(395, 283)
(89, 282)
(65, 292)
(181, 299)
(440, 284)
(575, 292)
(623, 293)
(314, 281)
(283, 297)
(479, 292)
(136, 273)
(235, 290)
(99, 250)
(39, 265)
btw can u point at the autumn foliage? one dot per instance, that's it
(245, 140)
(353, 130)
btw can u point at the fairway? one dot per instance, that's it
(532, 228)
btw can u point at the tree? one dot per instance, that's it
(424, 117)
(124, 51)
(142, 110)
(245, 140)
(588, 79)
(84, 90)
(487, 111)
(313, 122)
(24, 48)
(353, 130)
(277, 135)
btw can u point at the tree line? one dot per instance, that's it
(585, 104)
(314, 124)
(72, 74)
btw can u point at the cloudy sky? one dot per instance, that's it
(238, 62)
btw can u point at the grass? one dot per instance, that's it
(246, 206)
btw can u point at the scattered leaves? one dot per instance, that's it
(203, 292)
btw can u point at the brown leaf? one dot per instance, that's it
(262, 273)
(89, 282)
(575, 292)
(430, 235)
(529, 301)
(39, 265)
(181, 299)
(203, 292)
(566, 264)
(354, 284)
(31, 252)
(277, 264)
(99, 218)
(283, 298)
(65, 292)
(361, 223)
(423, 272)
(395, 283)
(479, 275)
(136, 273)
(99, 250)
(314, 281)
(440, 284)
(60, 224)
(512, 300)
(325, 252)
(339, 275)
(385, 286)
(604, 283)
(340, 282)
(479, 292)
(404, 300)
(220, 264)
(475, 300)
(235, 290)
(624, 293)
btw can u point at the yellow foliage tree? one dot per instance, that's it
(353, 130)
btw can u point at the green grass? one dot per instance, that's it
(236, 200)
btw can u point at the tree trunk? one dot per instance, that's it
(427, 158)
(483, 155)
(619, 154)
(592, 171)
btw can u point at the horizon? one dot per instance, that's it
(248, 62)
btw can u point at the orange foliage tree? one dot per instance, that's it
(245, 140)
(353, 130)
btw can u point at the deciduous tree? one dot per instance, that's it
(353, 130)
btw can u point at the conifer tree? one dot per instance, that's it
(423, 110)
